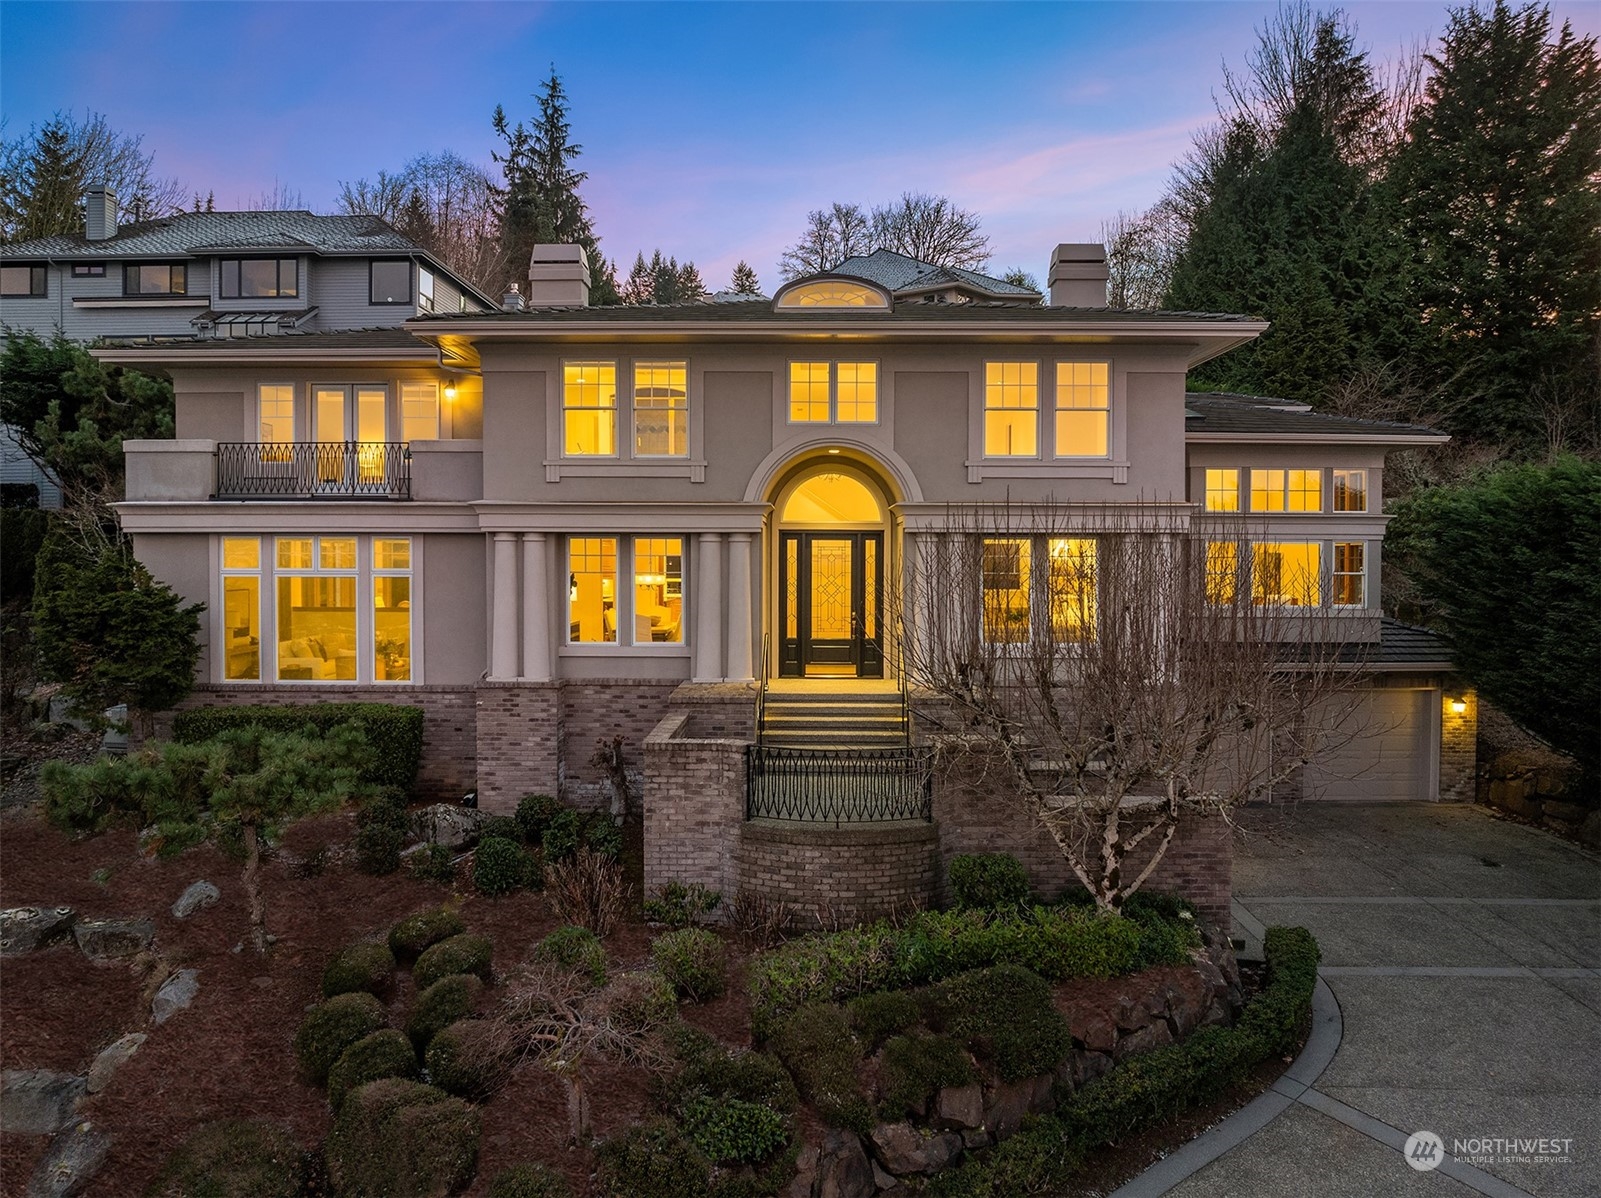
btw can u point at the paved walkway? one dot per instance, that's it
(1464, 954)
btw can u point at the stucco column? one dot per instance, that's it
(536, 608)
(709, 608)
(739, 638)
(503, 634)
(911, 598)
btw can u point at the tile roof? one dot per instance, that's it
(1221, 412)
(898, 272)
(211, 232)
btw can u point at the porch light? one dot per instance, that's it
(450, 392)
(1458, 706)
(833, 451)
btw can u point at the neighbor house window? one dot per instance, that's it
(1006, 570)
(1349, 579)
(88, 270)
(1222, 490)
(592, 590)
(425, 289)
(1286, 490)
(589, 409)
(658, 590)
(1011, 409)
(155, 279)
(391, 609)
(241, 607)
(838, 392)
(1350, 490)
(316, 597)
(1083, 403)
(1070, 588)
(1285, 573)
(19, 281)
(390, 283)
(260, 278)
(661, 409)
(419, 411)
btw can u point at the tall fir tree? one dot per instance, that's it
(52, 183)
(744, 280)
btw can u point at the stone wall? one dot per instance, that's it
(848, 874)
(519, 742)
(694, 808)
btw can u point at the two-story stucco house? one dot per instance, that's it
(580, 521)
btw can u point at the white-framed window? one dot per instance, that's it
(419, 411)
(649, 611)
(425, 289)
(1286, 573)
(241, 609)
(1348, 579)
(1011, 409)
(275, 413)
(1286, 490)
(589, 409)
(661, 409)
(1083, 409)
(828, 392)
(1023, 576)
(1222, 490)
(391, 609)
(1350, 490)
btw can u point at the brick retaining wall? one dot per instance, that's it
(848, 874)
(694, 808)
(519, 742)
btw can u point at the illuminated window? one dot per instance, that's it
(832, 293)
(391, 614)
(1070, 588)
(658, 590)
(589, 409)
(1285, 573)
(275, 408)
(831, 498)
(1222, 572)
(419, 411)
(260, 278)
(661, 409)
(592, 590)
(1350, 490)
(1286, 490)
(1011, 409)
(316, 609)
(1083, 400)
(842, 392)
(856, 401)
(241, 608)
(1222, 490)
(162, 279)
(1349, 581)
(808, 392)
(1006, 591)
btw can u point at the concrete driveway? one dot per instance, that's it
(1465, 955)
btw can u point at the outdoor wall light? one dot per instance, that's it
(1458, 706)
(450, 392)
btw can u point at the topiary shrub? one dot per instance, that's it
(575, 948)
(678, 906)
(1006, 1016)
(467, 1058)
(385, 1053)
(529, 1181)
(653, 1159)
(465, 953)
(368, 966)
(534, 813)
(693, 960)
(416, 933)
(914, 1068)
(877, 1017)
(502, 827)
(500, 866)
(236, 1158)
(393, 731)
(331, 1027)
(733, 1131)
(433, 863)
(988, 880)
(395, 1137)
(442, 1004)
(816, 1046)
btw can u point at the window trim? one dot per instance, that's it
(633, 410)
(38, 277)
(1335, 574)
(1284, 491)
(616, 453)
(238, 262)
(128, 267)
(1038, 587)
(558, 463)
(1056, 409)
(623, 601)
(985, 409)
(88, 270)
(1207, 489)
(372, 285)
(1334, 490)
(833, 364)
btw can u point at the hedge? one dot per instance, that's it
(394, 731)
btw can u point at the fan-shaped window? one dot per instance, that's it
(832, 499)
(831, 293)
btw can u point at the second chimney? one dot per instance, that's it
(558, 277)
(99, 212)
(1078, 276)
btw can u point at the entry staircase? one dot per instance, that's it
(830, 719)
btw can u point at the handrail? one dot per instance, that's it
(313, 470)
(838, 786)
(761, 690)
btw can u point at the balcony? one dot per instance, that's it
(313, 470)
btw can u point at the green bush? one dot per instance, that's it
(534, 813)
(877, 1017)
(502, 826)
(465, 953)
(576, 948)
(748, 1076)
(420, 931)
(1037, 1161)
(678, 906)
(385, 1053)
(733, 1131)
(603, 836)
(236, 1158)
(563, 834)
(433, 863)
(653, 1160)
(331, 1027)
(394, 732)
(441, 1005)
(693, 960)
(988, 880)
(914, 1068)
(395, 1137)
(378, 849)
(500, 866)
(22, 533)
(466, 1059)
(1006, 1015)
(816, 1046)
(529, 1181)
(368, 966)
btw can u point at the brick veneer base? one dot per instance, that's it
(848, 874)
(519, 742)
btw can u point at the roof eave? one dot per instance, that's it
(161, 355)
(1325, 438)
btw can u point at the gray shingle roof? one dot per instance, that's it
(212, 232)
(1403, 644)
(1220, 412)
(897, 272)
(762, 310)
(387, 339)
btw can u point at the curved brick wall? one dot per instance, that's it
(848, 873)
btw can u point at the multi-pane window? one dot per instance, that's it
(425, 289)
(389, 282)
(1350, 490)
(88, 270)
(661, 409)
(20, 281)
(808, 392)
(316, 596)
(155, 279)
(391, 609)
(419, 411)
(260, 278)
(1286, 490)
(837, 392)
(1070, 588)
(241, 609)
(658, 590)
(1083, 408)
(1011, 409)
(1006, 571)
(1054, 575)
(592, 590)
(1349, 578)
(589, 409)
(275, 408)
(856, 392)
(1222, 490)
(1286, 573)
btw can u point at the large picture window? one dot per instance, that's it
(155, 279)
(316, 595)
(1286, 573)
(589, 409)
(1011, 409)
(1083, 409)
(1286, 490)
(260, 278)
(661, 409)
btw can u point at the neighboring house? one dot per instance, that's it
(652, 523)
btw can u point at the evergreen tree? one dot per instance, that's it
(664, 279)
(691, 288)
(640, 286)
(52, 184)
(744, 281)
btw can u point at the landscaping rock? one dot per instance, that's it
(977, 1137)
(1187, 1000)
(903, 1149)
(197, 896)
(1093, 1029)
(843, 1170)
(1568, 813)
(1217, 1015)
(1211, 975)
(805, 1172)
(884, 1181)
(959, 1107)
(37, 1102)
(175, 995)
(1007, 1104)
(101, 939)
(75, 1156)
(1085, 1067)
(447, 824)
(1143, 1040)
(110, 1059)
(23, 929)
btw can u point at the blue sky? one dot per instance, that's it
(709, 129)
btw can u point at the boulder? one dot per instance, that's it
(1217, 1015)
(23, 929)
(175, 995)
(958, 1108)
(104, 938)
(37, 1102)
(1092, 1029)
(1006, 1105)
(110, 1059)
(1143, 1040)
(805, 1178)
(1187, 1000)
(1084, 1067)
(447, 824)
(1211, 975)
(1133, 1011)
(884, 1181)
(1568, 813)
(902, 1148)
(843, 1170)
(73, 1159)
(195, 897)
(977, 1137)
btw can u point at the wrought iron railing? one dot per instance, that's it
(838, 786)
(313, 470)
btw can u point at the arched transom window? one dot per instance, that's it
(832, 293)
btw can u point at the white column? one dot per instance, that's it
(739, 638)
(503, 635)
(536, 608)
(709, 608)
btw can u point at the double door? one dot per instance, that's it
(350, 425)
(830, 590)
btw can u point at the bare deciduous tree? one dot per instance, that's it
(1141, 250)
(930, 229)
(442, 202)
(832, 235)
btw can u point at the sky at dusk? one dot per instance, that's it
(709, 130)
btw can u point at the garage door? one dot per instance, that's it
(1391, 757)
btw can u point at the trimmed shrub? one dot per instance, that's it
(381, 829)
(529, 1181)
(877, 1017)
(236, 1158)
(466, 1059)
(749, 1076)
(563, 834)
(441, 1005)
(602, 835)
(693, 960)
(331, 1027)
(465, 953)
(396, 1137)
(534, 813)
(639, 1001)
(733, 1131)
(817, 1047)
(653, 1159)
(385, 1053)
(678, 906)
(1007, 1017)
(575, 948)
(500, 866)
(988, 880)
(915, 1067)
(503, 827)
(418, 932)
(433, 863)
(368, 966)
(394, 732)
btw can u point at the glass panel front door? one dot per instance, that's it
(829, 596)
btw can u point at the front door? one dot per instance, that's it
(829, 590)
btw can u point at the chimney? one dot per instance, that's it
(558, 277)
(512, 301)
(99, 212)
(1078, 276)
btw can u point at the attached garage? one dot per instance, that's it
(1393, 756)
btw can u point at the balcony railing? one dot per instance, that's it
(838, 786)
(314, 470)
